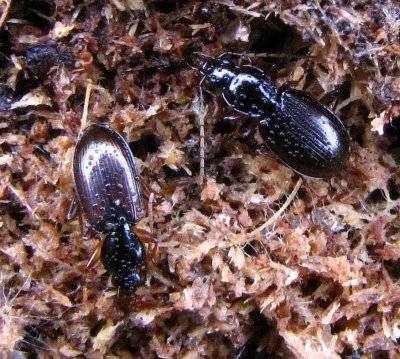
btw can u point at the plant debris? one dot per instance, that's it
(251, 260)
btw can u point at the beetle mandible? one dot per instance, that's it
(109, 192)
(304, 133)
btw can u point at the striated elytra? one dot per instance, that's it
(109, 192)
(304, 133)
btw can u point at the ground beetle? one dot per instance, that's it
(109, 192)
(300, 130)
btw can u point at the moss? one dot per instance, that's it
(319, 279)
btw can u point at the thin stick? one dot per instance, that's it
(280, 210)
(86, 105)
(150, 210)
(202, 143)
(5, 12)
(202, 151)
(94, 258)
(153, 247)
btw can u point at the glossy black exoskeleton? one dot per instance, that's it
(109, 192)
(305, 134)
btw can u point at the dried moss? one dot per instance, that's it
(320, 280)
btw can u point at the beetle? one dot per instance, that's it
(108, 188)
(304, 133)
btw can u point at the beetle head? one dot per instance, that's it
(127, 281)
(219, 72)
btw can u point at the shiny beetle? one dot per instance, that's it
(305, 134)
(109, 192)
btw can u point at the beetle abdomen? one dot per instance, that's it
(106, 177)
(306, 135)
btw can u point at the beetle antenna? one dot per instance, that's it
(202, 55)
(192, 67)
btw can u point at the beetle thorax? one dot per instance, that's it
(221, 76)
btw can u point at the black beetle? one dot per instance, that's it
(300, 130)
(109, 192)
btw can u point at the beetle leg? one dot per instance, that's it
(95, 257)
(249, 131)
(204, 90)
(158, 200)
(73, 209)
(152, 253)
(272, 71)
(148, 192)
(90, 232)
(192, 67)
(331, 99)
(233, 118)
(148, 238)
(143, 235)
(285, 86)
(84, 236)
(231, 124)
(228, 54)
(202, 55)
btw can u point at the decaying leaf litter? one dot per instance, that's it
(250, 258)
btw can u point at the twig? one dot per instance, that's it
(150, 210)
(202, 150)
(86, 105)
(280, 210)
(5, 12)
(95, 257)
(201, 111)
(202, 144)
(152, 247)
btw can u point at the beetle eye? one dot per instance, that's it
(226, 63)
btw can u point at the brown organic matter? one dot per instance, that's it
(251, 261)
